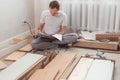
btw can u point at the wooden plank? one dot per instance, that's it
(101, 70)
(68, 71)
(61, 62)
(16, 40)
(44, 74)
(30, 39)
(15, 56)
(20, 67)
(96, 44)
(26, 48)
(81, 69)
(2, 65)
(109, 36)
(32, 69)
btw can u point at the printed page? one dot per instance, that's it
(58, 36)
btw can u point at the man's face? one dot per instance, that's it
(53, 11)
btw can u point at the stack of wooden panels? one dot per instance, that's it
(96, 44)
(92, 69)
(26, 48)
(19, 68)
(55, 68)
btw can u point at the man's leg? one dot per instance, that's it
(67, 39)
(41, 44)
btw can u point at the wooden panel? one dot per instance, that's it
(68, 71)
(101, 70)
(92, 69)
(16, 40)
(29, 73)
(96, 44)
(81, 69)
(110, 36)
(15, 56)
(61, 62)
(20, 67)
(26, 48)
(2, 65)
(44, 74)
(30, 39)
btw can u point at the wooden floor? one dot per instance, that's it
(81, 52)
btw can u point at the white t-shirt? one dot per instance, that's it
(52, 24)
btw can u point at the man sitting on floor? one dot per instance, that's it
(53, 21)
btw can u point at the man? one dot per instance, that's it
(53, 21)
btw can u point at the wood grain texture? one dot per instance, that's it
(28, 73)
(81, 69)
(2, 65)
(109, 36)
(26, 48)
(61, 62)
(68, 71)
(20, 67)
(101, 70)
(96, 44)
(44, 74)
(16, 40)
(15, 56)
(93, 69)
(30, 39)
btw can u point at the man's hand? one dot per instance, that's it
(40, 27)
(38, 32)
(51, 37)
(62, 30)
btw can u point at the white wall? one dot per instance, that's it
(40, 5)
(12, 13)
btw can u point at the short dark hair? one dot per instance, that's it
(54, 4)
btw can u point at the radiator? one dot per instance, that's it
(92, 15)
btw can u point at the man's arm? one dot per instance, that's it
(62, 30)
(40, 28)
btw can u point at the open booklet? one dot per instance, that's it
(88, 36)
(57, 36)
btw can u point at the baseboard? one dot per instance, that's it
(12, 48)
(7, 42)
(6, 47)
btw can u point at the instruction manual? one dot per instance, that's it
(58, 36)
(88, 36)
